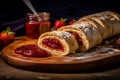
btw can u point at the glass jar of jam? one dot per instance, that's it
(37, 24)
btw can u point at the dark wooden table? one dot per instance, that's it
(8, 72)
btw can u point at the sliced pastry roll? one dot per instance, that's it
(86, 35)
(114, 19)
(58, 42)
(114, 14)
(108, 20)
(102, 30)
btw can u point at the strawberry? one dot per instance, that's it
(71, 21)
(7, 36)
(59, 23)
(4, 37)
(118, 41)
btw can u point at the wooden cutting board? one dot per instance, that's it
(98, 58)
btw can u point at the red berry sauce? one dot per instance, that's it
(53, 43)
(31, 51)
(78, 38)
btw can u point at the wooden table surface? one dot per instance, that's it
(8, 72)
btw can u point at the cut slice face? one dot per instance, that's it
(53, 43)
(58, 42)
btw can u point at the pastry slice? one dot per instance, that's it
(114, 14)
(108, 20)
(102, 30)
(86, 35)
(114, 19)
(101, 20)
(58, 43)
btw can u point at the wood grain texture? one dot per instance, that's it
(97, 58)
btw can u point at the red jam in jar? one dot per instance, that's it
(37, 24)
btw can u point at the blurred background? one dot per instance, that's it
(13, 12)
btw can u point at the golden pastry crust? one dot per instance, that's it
(92, 29)
(102, 30)
(108, 20)
(89, 34)
(114, 19)
(100, 25)
(67, 40)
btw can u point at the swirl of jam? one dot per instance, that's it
(53, 43)
(31, 51)
(78, 38)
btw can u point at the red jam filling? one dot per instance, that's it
(31, 51)
(53, 43)
(78, 38)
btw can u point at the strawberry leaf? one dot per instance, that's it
(63, 19)
(8, 31)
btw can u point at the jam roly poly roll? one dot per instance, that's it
(88, 34)
(94, 28)
(108, 21)
(58, 42)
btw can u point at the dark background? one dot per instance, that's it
(13, 12)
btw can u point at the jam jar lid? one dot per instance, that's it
(41, 16)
